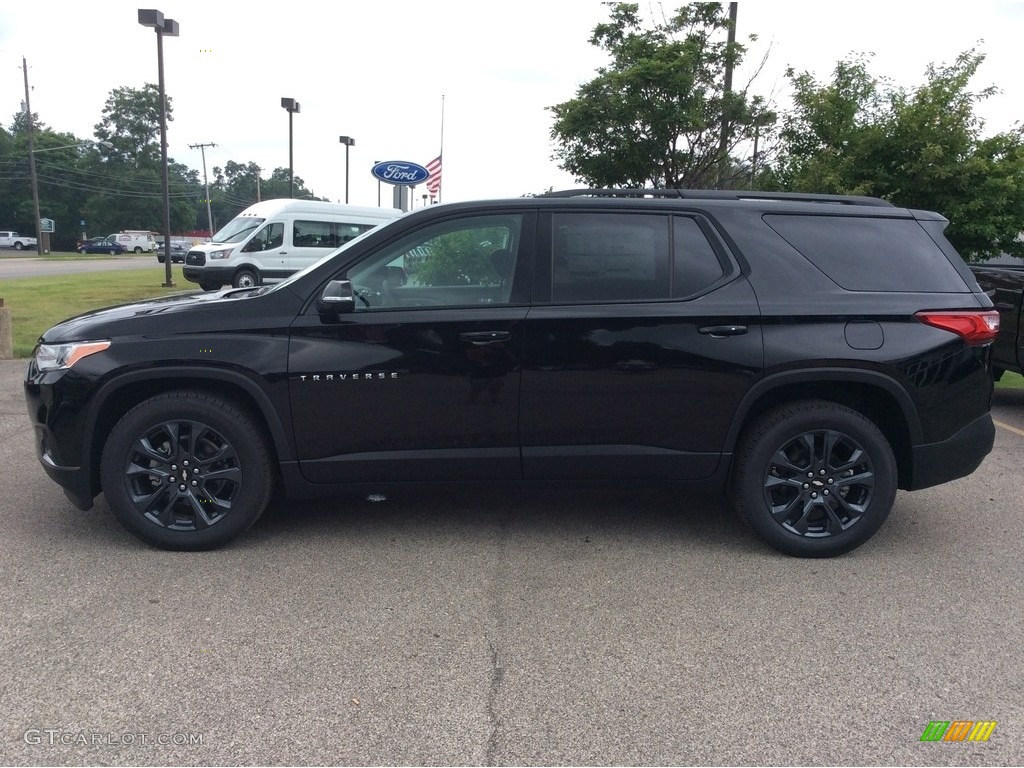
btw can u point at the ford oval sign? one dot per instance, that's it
(400, 172)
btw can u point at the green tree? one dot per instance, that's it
(656, 114)
(131, 122)
(921, 147)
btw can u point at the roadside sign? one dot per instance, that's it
(46, 225)
(400, 172)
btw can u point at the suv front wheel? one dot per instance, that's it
(186, 470)
(814, 478)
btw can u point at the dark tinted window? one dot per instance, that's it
(325, 234)
(695, 264)
(867, 254)
(609, 257)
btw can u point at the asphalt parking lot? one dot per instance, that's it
(535, 626)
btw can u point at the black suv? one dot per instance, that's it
(808, 354)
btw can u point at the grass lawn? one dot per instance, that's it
(36, 303)
(1010, 381)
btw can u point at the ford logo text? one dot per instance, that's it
(400, 172)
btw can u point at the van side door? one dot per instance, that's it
(266, 250)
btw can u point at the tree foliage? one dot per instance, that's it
(655, 115)
(919, 147)
(118, 187)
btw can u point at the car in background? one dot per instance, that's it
(178, 250)
(100, 245)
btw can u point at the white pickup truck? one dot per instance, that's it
(10, 239)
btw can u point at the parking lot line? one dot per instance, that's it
(1007, 426)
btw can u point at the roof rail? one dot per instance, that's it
(725, 194)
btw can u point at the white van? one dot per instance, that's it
(134, 240)
(275, 238)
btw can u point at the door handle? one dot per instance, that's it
(481, 338)
(721, 331)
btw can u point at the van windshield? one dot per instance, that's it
(237, 229)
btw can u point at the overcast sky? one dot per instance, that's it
(377, 71)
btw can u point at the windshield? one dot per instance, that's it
(237, 229)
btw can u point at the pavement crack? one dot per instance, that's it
(497, 676)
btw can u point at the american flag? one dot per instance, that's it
(434, 180)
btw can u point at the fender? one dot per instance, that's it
(825, 375)
(282, 441)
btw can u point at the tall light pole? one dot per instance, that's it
(292, 106)
(348, 141)
(155, 19)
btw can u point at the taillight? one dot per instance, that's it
(979, 327)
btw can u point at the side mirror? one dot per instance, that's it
(337, 298)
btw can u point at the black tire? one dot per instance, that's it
(82, 251)
(113, 252)
(187, 470)
(814, 478)
(138, 249)
(210, 286)
(19, 246)
(245, 278)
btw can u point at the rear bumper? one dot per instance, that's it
(955, 457)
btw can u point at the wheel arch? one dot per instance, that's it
(117, 397)
(875, 395)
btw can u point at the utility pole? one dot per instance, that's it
(258, 171)
(32, 162)
(202, 148)
(723, 146)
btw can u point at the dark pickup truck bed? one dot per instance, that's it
(1005, 286)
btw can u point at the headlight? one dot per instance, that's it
(59, 357)
(221, 254)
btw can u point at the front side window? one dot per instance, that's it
(268, 238)
(455, 263)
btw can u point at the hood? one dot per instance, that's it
(182, 312)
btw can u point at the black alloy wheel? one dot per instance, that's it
(187, 470)
(814, 478)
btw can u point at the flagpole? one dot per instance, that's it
(441, 153)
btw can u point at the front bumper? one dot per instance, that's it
(57, 421)
(208, 275)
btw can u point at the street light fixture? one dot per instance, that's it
(155, 19)
(348, 141)
(292, 106)
(35, 182)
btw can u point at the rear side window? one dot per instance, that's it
(609, 257)
(871, 254)
(325, 234)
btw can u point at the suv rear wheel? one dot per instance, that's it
(814, 478)
(186, 471)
